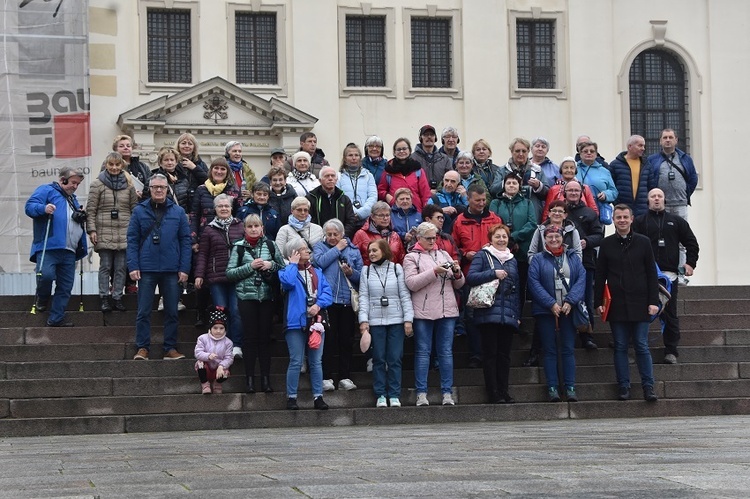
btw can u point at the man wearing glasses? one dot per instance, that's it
(158, 254)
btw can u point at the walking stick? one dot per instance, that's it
(80, 307)
(41, 265)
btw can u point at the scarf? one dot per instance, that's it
(353, 171)
(252, 241)
(236, 167)
(301, 175)
(556, 253)
(215, 189)
(307, 267)
(117, 182)
(385, 233)
(299, 225)
(379, 262)
(502, 255)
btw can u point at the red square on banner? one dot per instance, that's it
(72, 135)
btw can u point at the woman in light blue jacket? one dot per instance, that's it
(596, 176)
(357, 182)
(385, 312)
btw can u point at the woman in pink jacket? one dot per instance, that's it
(432, 276)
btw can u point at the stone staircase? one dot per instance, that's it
(82, 380)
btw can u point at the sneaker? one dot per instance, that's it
(218, 389)
(381, 402)
(422, 399)
(206, 388)
(624, 393)
(141, 354)
(347, 384)
(649, 395)
(554, 396)
(237, 352)
(395, 402)
(670, 359)
(448, 399)
(369, 365)
(160, 307)
(180, 306)
(570, 394)
(291, 404)
(328, 385)
(173, 355)
(120, 306)
(320, 404)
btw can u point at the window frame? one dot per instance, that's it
(456, 89)
(145, 85)
(389, 90)
(561, 53)
(281, 87)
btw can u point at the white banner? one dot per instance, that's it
(44, 110)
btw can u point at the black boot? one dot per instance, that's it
(533, 360)
(265, 384)
(106, 306)
(250, 388)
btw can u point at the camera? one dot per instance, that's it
(357, 204)
(155, 238)
(257, 281)
(433, 185)
(447, 266)
(383, 301)
(310, 301)
(342, 260)
(79, 216)
(114, 214)
(670, 175)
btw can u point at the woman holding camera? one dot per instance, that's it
(386, 314)
(341, 264)
(499, 322)
(432, 276)
(112, 198)
(253, 261)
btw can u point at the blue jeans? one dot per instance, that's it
(170, 291)
(423, 331)
(622, 333)
(548, 335)
(224, 295)
(387, 349)
(59, 266)
(296, 342)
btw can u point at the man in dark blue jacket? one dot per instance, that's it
(631, 175)
(59, 240)
(158, 254)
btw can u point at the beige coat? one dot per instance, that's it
(111, 232)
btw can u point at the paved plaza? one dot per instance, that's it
(659, 457)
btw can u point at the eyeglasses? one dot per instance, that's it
(557, 212)
(159, 187)
(382, 215)
(433, 238)
(438, 218)
(402, 149)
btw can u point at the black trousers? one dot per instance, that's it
(496, 343)
(671, 335)
(257, 317)
(338, 341)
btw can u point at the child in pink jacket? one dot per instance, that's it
(213, 353)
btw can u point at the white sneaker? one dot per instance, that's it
(347, 384)
(328, 385)
(237, 352)
(180, 306)
(448, 399)
(369, 365)
(422, 399)
(160, 308)
(381, 402)
(395, 402)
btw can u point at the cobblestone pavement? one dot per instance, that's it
(665, 458)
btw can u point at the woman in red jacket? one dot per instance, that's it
(402, 171)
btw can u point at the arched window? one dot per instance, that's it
(658, 98)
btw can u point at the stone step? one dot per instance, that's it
(715, 306)
(714, 292)
(10, 427)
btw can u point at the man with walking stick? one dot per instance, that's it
(59, 241)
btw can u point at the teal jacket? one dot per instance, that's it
(248, 282)
(518, 213)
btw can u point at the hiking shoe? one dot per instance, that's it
(106, 306)
(570, 394)
(448, 399)
(173, 355)
(41, 305)
(670, 359)
(63, 323)
(395, 402)
(422, 399)
(554, 396)
(381, 402)
(320, 404)
(141, 354)
(291, 404)
(206, 388)
(649, 395)
(120, 306)
(237, 352)
(624, 393)
(328, 385)
(347, 384)
(218, 389)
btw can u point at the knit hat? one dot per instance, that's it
(553, 230)
(217, 316)
(301, 154)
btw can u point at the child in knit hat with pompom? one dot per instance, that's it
(213, 353)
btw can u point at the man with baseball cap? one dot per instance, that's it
(434, 163)
(59, 241)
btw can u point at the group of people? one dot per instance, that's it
(381, 250)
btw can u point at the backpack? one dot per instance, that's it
(388, 178)
(270, 278)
